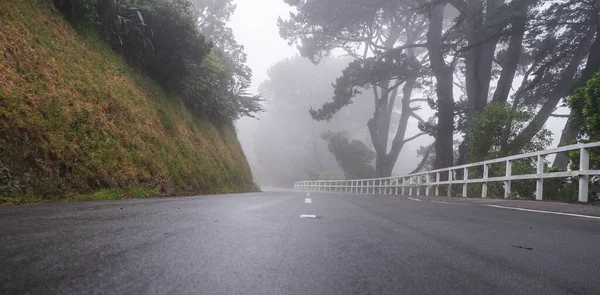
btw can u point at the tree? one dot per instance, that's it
(213, 16)
(585, 118)
(353, 156)
(384, 39)
(287, 141)
(585, 104)
(443, 73)
(480, 47)
(495, 129)
(564, 35)
(491, 132)
(166, 39)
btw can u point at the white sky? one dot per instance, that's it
(255, 26)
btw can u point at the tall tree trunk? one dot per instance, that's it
(509, 68)
(513, 54)
(384, 167)
(424, 160)
(479, 59)
(398, 141)
(480, 53)
(562, 88)
(569, 134)
(443, 75)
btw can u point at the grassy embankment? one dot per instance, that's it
(77, 123)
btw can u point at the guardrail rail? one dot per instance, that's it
(428, 180)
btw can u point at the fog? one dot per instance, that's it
(285, 142)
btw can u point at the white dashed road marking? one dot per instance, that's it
(413, 199)
(308, 201)
(546, 212)
(308, 216)
(452, 203)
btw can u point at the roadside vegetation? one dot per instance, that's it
(490, 74)
(104, 101)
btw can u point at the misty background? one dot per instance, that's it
(284, 142)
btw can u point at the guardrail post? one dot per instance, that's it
(465, 178)
(450, 178)
(385, 186)
(507, 183)
(584, 165)
(539, 187)
(427, 181)
(373, 188)
(484, 183)
(402, 190)
(437, 186)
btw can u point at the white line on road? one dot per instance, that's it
(413, 199)
(453, 203)
(546, 212)
(308, 201)
(308, 216)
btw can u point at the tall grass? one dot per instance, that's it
(76, 119)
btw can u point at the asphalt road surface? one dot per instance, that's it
(259, 244)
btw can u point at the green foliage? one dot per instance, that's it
(560, 189)
(363, 74)
(76, 120)
(8, 183)
(494, 130)
(492, 134)
(163, 38)
(353, 156)
(585, 105)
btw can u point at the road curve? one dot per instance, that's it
(259, 244)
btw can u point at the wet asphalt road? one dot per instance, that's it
(258, 244)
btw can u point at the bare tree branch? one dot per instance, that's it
(415, 137)
(460, 5)
(414, 115)
(424, 160)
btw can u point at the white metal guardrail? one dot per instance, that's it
(413, 183)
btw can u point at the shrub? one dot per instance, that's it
(162, 39)
(353, 156)
(491, 135)
(585, 105)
